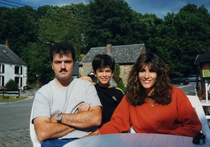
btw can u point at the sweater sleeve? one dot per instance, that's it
(191, 124)
(120, 120)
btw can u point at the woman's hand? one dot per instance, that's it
(93, 134)
(87, 78)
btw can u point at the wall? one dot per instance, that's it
(9, 73)
(124, 72)
(85, 69)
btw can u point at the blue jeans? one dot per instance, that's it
(57, 142)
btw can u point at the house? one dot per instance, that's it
(75, 72)
(124, 55)
(204, 62)
(12, 67)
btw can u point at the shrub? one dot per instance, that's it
(121, 85)
(117, 78)
(11, 85)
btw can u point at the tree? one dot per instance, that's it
(41, 11)
(167, 45)
(37, 56)
(181, 38)
(191, 24)
(109, 23)
(17, 34)
(150, 29)
(117, 78)
(64, 24)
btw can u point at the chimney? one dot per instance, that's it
(7, 44)
(108, 48)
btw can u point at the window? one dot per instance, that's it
(18, 80)
(1, 81)
(1, 68)
(18, 70)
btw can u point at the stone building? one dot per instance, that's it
(124, 55)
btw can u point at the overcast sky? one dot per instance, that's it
(158, 7)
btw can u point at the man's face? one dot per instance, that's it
(104, 75)
(63, 67)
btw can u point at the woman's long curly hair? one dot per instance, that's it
(136, 93)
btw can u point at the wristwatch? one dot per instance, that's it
(59, 117)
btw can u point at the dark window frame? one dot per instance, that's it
(18, 70)
(19, 81)
(1, 68)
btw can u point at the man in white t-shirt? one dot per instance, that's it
(65, 109)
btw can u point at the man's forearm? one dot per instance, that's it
(59, 130)
(86, 119)
(48, 130)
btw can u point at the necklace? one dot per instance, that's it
(151, 101)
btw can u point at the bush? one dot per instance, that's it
(117, 78)
(121, 85)
(11, 85)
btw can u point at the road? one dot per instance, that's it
(14, 124)
(15, 115)
(190, 88)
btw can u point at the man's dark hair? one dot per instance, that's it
(62, 49)
(103, 60)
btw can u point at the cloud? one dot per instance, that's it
(158, 7)
(162, 7)
(52, 2)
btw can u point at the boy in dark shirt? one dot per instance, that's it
(110, 97)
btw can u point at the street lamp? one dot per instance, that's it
(38, 80)
(49, 43)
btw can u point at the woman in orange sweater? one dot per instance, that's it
(152, 104)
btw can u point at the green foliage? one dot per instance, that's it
(117, 78)
(177, 39)
(18, 27)
(37, 55)
(121, 85)
(182, 37)
(11, 85)
(109, 23)
(117, 69)
(64, 24)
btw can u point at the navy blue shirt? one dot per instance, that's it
(110, 98)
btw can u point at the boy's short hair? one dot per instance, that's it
(62, 49)
(103, 60)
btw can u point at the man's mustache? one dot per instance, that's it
(63, 70)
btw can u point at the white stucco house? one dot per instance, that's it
(12, 67)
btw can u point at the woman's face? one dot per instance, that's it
(147, 78)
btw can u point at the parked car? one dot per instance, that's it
(192, 78)
(180, 81)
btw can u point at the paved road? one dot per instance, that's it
(190, 88)
(14, 124)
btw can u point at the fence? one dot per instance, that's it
(3, 91)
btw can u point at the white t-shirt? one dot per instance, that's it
(51, 99)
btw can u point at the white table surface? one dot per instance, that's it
(135, 140)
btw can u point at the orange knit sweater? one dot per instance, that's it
(177, 118)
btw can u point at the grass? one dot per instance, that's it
(12, 98)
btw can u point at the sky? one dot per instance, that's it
(158, 7)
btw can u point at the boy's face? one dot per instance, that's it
(103, 75)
